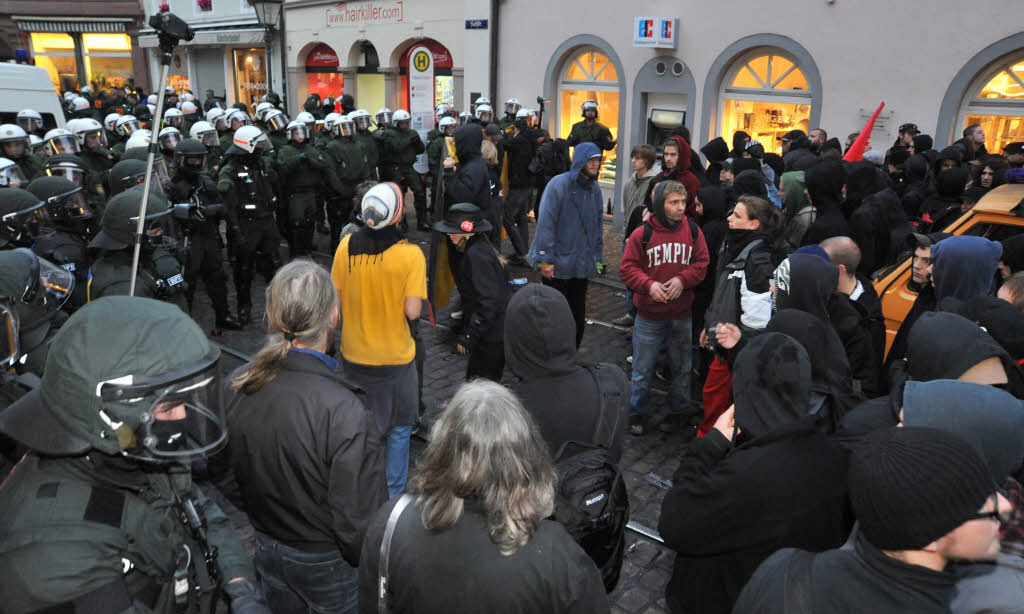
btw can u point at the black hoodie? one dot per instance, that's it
(731, 506)
(915, 169)
(739, 141)
(799, 154)
(878, 223)
(562, 397)
(715, 228)
(470, 183)
(944, 207)
(716, 151)
(825, 187)
(809, 283)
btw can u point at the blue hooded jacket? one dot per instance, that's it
(569, 228)
(964, 267)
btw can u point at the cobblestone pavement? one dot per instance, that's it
(648, 564)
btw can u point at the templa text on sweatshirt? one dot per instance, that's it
(671, 252)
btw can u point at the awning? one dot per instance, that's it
(71, 24)
(246, 33)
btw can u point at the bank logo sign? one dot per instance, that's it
(361, 13)
(658, 32)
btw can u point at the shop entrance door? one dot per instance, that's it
(209, 66)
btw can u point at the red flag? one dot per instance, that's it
(857, 149)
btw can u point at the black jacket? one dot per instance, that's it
(731, 507)
(461, 570)
(562, 396)
(520, 149)
(917, 189)
(470, 183)
(799, 154)
(857, 579)
(716, 151)
(483, 286)
(715, 228)
(924, 303)
(308, 459)
(824, 186)
(944, 207)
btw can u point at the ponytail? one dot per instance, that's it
(767, 214)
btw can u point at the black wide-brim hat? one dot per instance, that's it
(463, 218)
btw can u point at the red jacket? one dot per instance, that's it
(681, 173)
(670, 253)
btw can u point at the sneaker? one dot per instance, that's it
(629, 359)
(637, 425)
(626, 320)
(457, 315)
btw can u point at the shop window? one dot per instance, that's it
(766, 95)
(322, 76)
(998, 105)
(444, 83)
(590, 75)
(106, 43)
(250, 76)
(108, 59)
(56, 53)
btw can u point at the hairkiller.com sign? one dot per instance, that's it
(659, 32)
(361, 13)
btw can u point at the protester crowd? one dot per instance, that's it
(822, 467)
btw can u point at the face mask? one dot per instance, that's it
(170, 434)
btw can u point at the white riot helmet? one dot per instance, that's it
(216, 117)
(382, 206)
(151, 99)
(188, 97)
(11, 176)
(447, 125)
(60, 141)
(296, 130)
(251, 139)
(261, 110)
(126, 125)
(482, 110)
(174, 118)
(361, 118)
(384, 117)
(482, 100)
(204, 132)
(30, 120)
(169, 138)
(110, 121)
(344, 126)
(10, 137)
(139, 138)
(189, 108)
(512, 106)
(308, 119)
(86, 89)
(152, 109)
(329, 120)
(69, 96)
(80, 104)
(525, 118)
(84, 129)
(38, 146)
(276, 120)
(464, 118)
(440, 110)
(401, 115)
(589, 104)
(236, 115)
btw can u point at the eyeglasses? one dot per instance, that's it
(995, 514)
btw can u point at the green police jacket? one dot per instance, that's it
(301, 167)
(403, 146)
(30, 164)
(596, 133)
(370, 150)
(161, 276)
(349, 162)
(95, 534)
(436, 152)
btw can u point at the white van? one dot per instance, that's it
(28, 87)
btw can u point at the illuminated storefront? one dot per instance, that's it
(107, 59)
(250, 75)
(322, 76)
(589, 75)
(998, 105)
(766, 97)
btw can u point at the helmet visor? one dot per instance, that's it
(94, 139)
(63, 143)
(128, 128)
(13, 177)
(72, 173)
(277, 122)
(54, 288)
(262, 144)
(28, 221)
(174, 121)
(30, 124)
(511, 108)
(208, 138)
(383, 119)
(169, 141)
(9, 351)
(42, 149)
(161, 230)
(298, 132)
(346, 128)
(463, 120)
(74, 207)
(362, 122)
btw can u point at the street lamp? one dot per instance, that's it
(268, 14)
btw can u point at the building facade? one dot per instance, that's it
(765, 69)
(87, 42)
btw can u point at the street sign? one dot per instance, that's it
(421, 97)
(476, 24)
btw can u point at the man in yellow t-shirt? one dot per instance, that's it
(382, 282)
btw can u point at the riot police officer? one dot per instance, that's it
(302, 168)
(361, 119)
(246, 184)
(197, 206)
(23, 217)
(169, 138)
(102, 515)
(161, 274)
(126, 174)
(11, 175)
(72, 168)
(31, 122)
(205, 133)
(14, 145)
(590, 130)
(512, 107)
(124, 128)
(66, 246)
(403, 145)
(437, 152)
(233, 120)
(276, 121)
(349, 166)
(92, 141)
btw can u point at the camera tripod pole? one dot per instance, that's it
(167, 51)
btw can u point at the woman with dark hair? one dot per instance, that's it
(742, 296)
(476, 538)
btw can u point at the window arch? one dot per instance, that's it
(589, 74)
(766, 94)
(995, 101)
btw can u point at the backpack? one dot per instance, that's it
(552, 158)
(591, 501)
(725, 302)
(649, 232)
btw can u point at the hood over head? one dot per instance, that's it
(716, 150)
(715, 201)
(775, 162)
(922, 143)
(1013, 253)
(861, 181)
(821, 342)
(805, 282)
(739, 139)
(584, 152)
(793, 185)
(1001, 319)
(944, 345)
(964, 267)
(771, 384)
(658, 206)
(916, 168)
(468, 139)
(750, 182)
(685, 157)
(990, 419)
(832, 143)
(825, 183)
(540, 333)
(950, 184)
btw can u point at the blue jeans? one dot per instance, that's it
(648, 337)
(398, 459)
(630, 307)
(297, 582)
